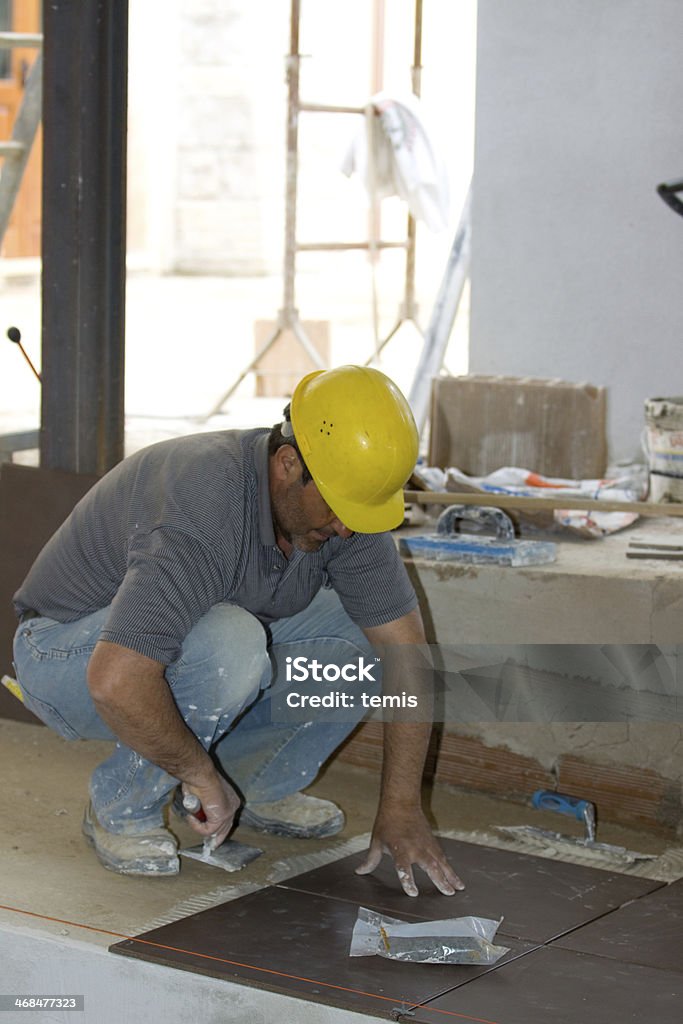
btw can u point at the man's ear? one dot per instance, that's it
(286, 463)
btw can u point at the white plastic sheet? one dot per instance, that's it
(458, 940)
(403, 161)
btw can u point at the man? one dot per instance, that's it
(155, 615)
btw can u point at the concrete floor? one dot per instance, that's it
(49, 870)
(60, 910)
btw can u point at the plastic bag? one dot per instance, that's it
(628, 485)
(458, 940)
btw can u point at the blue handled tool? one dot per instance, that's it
(450, 544)
(573, 807)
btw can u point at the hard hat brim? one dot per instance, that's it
(366, 518)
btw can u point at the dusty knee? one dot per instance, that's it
(225, 654)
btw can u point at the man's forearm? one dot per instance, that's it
(401, 828)
(405, 752)
(406, 669)
(132, 696)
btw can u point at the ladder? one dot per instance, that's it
(288, 315)
(435, 338)
(16, 151)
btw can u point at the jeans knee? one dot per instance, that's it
(224, 657)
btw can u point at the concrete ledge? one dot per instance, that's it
(592, 594)
(120, 989)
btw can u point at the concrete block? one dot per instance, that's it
(215, 121)
(212, 39)
(283, 366)
(481, 423)
(199, 176)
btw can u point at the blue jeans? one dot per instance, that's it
(221, 686)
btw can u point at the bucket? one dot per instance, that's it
(664, 446)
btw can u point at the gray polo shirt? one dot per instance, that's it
(186, 524)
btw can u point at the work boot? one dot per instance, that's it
(296, 815)
(151, 853)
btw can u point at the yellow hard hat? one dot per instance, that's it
(359, 441)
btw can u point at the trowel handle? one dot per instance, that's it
(493, 519)
(573, 806)
(192, 803)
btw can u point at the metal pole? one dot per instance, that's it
(293, 62)
(416, 69)
(408, 309)
(410, 306)
(376, 84)
(442, 319)
(84, 216)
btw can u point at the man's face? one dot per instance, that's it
(301, 516)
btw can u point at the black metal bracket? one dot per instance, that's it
(668, 192)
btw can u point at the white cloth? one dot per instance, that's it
(403, 160)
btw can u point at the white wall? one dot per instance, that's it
(204, 129)
(577, 263)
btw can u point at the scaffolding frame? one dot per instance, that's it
(288, 316)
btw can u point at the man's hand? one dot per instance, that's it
(408, 839)
(401, 828)
(219, 802)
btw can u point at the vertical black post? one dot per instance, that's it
(84, 233)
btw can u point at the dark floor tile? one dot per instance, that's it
(297, 944)
(648, 931)
(555, 986)
(539, 899)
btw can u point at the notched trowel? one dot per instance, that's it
(230, 855)
(582, 810)
(449, 544)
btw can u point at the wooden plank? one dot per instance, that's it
(671, 545)
(670, 555)
(281, 368)
(640, 508)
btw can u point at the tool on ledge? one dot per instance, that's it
(582, 810)
(501, 549)
(230, 855)
(668, 191)
(671, 549)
